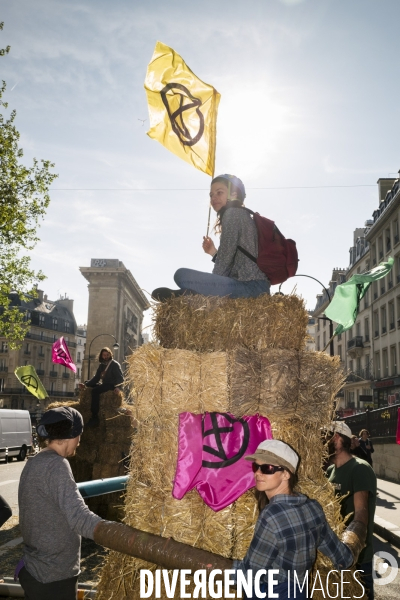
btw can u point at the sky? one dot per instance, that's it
(308, 119)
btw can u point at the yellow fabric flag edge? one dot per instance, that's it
(167, 66)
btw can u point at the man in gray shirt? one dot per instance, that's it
(53, 515)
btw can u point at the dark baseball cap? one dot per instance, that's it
(61, 413)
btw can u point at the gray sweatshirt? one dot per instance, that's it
(238, 229)
(52, 517)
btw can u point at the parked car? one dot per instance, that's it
(15, 434)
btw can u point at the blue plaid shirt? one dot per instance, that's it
(288, 533)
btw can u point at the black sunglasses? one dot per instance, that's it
(266, 469)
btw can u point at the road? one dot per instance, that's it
(92, 555)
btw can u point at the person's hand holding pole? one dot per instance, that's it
(208, 246)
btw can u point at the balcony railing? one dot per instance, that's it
(383, 330)
(45, 338)
(391, 326)
(3, 350)
(40, 372)
(381, 424)
(380, 253)
(359, 375)
(396, 238)
(53, 374)
(382, 289)
(27, 351)
(4, 368)
(355, 342)
(390, 285)
(65, 375)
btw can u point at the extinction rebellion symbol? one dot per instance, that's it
(30, 381)
(176, 116)
(223, 423)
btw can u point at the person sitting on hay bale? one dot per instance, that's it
(291, 527)
(355, 482)
(108, 377)
(234, 274)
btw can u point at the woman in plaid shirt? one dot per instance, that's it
(290, 528)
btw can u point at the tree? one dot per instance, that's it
(24, 199)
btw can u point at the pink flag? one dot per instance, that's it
(60, 354)
(398, 427)
(211, 451)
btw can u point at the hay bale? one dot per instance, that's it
(294, 389)
(211, 324)
(103, 451)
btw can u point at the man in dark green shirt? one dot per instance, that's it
(355, 482)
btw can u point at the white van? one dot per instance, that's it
(15, 433)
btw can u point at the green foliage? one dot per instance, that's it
(24, 198)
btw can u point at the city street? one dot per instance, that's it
(388, 512)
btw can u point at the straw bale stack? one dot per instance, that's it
(103, 451)
(294, 388)
(212, 324)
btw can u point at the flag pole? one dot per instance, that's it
(331, 340)
(209, 208)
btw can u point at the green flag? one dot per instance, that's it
(30, 379)
(344, 306)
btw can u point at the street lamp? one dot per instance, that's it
(115, 346)
(331, 349)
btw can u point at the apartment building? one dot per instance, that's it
(384, 241)
(49, 320)
(370, 349)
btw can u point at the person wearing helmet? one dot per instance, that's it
(234, 274)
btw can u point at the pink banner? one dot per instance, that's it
(398, 427)
(60, 354)
(211, 451)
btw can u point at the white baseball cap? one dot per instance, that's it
(340, 427)
(277, 453)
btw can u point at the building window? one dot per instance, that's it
(27, 348)
(51, 387)
(376, 324)
(366, 303)
(388, 243)
(397, 266)
(4, 347)
(351, 365)
(358, 329)
(383, 320)
(318, 344)
(385, 361)
(380, 247)
(66, 326)
(339, 337)
(78, 372)
(395, 231)
(55, 324)
(28, 315)
(78, 358)
(324, 339)
(339, 351)
(391, 315)
(41, 320)
(79, 342)
(2, 385)
(373, 254)
(393, 363)
(366, 330)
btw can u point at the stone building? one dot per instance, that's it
(115, 313)
(369, 351)
(49, 321)
(311, 331)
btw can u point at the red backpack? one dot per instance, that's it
(277, 256)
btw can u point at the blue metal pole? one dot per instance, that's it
(98, 487)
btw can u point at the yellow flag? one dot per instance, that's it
(182, 108)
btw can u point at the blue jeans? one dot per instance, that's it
(209, 284)
(282, 590)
